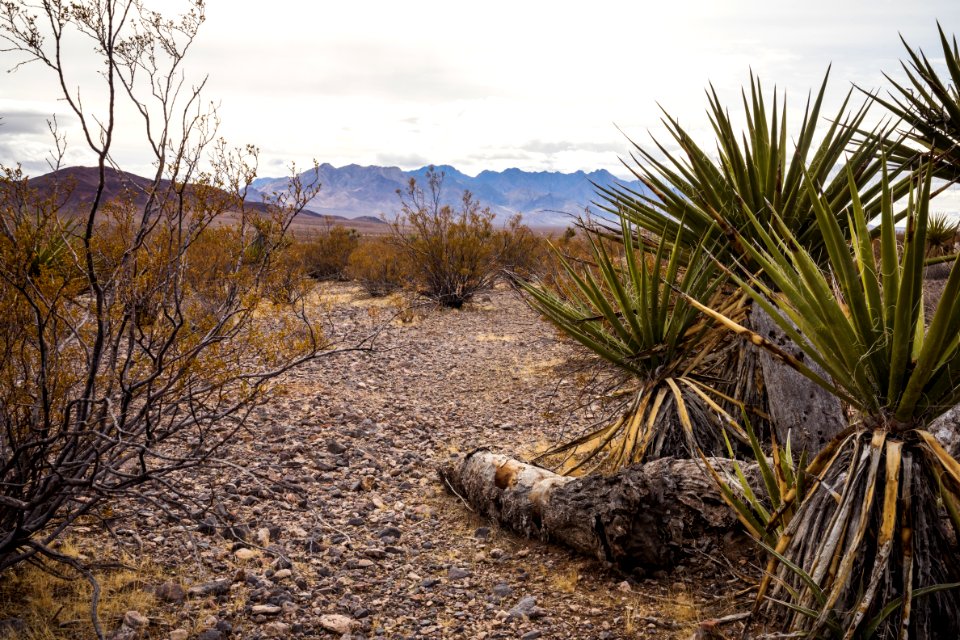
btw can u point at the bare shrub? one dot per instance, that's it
(132, 344)
(522, 252)
(452, 253)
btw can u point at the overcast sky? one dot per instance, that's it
(534, 85)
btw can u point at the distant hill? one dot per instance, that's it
(543, 197)
(79, 188)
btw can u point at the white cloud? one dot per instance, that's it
(535, 84)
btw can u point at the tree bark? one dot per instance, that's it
(648, 516)
(798, 407)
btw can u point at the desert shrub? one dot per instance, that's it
(132, 343)
(522, 252)
(453, 253)
(324, 254)
(379, 266)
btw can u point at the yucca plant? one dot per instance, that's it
(625, 310)
(928, 108)
(869, 537)
(941, 234)
(783, 476)
(756, 173)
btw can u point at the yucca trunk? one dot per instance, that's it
(872, 534)
(795, 408)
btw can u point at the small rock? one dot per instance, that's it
(531, 635)
(526, 608)
(482, 533)
(502, 590)
(245, 554)
(276, 630)
(389, 532)
(136, 620)
(170, 591)
(335, 447)
(337, 623)
(283, 574)
(624, 586)
(179, 634)
(456, 573)
(266, 609)
(210, 634)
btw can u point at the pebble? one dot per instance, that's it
(276, 630)
(526, 608)
(179, 634)
(170, 591)
(266, 609)
(245, 554)
(456, 573)
(136, 620)
(337, 623)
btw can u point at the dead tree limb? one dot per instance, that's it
(646, 516)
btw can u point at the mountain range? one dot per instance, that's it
(544, 198)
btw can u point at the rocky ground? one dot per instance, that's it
(331, 521)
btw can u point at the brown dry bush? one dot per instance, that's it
(453, 253)
(522, 252)
(324, 254)
(133, 343)
(379, 266)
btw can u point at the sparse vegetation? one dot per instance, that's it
(324, 254)
(627, 310)
(138, 335)
(379, 266)
(452, 253)
(129, 350)
(942, 234)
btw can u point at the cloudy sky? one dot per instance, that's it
(534, 85)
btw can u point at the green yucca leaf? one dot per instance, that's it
(756, 173)
(623, 307)
(928, 107)
(862, 321)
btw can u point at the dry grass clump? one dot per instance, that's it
(43, 605)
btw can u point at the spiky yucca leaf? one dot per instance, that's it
(942, 233)
(758, 173)
(870, 531)
(928, 107)
(626, 311)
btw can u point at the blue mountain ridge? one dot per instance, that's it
(547, 198)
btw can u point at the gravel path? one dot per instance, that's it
(338, 525)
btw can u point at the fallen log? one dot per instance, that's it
(648, 516)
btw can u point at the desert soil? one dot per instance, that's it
(331, 520)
